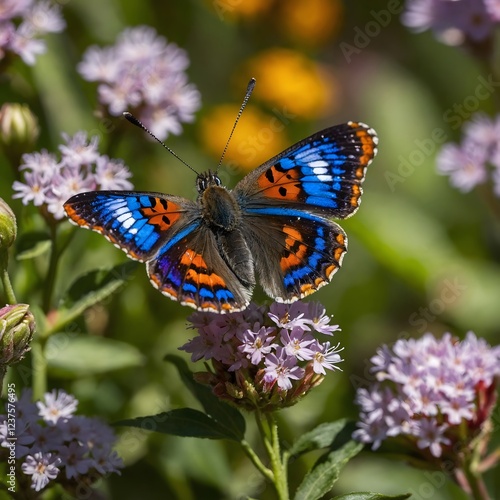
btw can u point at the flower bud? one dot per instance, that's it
(8, 226)
(18, 127)
(17, 326)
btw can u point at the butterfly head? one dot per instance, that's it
(207, 179)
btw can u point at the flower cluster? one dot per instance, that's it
(143, 74)
(49, 182)
(264, 358)
(467, 163)
(430, 393)
(454, 22)
(22, 22)
(52, 444)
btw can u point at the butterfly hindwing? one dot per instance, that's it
(193, 272)
(294, 255)
(321, 174)
(138, 223)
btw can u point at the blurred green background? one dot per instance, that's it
(422, 256)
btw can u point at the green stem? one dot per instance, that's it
(475, 484)
(267, 473)
(269, 432)
(39, 365)
(51, 273)
(7, 285)
(278, 464)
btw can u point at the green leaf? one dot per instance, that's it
(90, 289)
(320, 480)
(32, 244)
(330, 434)
(366, 495)
(70, 354)
(227, 416)
(184, 422)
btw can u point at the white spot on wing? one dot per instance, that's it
(318, 163)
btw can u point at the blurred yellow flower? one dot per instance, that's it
(312, 22)
(257, 138)
(293, 83)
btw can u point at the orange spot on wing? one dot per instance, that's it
(356, 193)
(367, 145)
(295, 258)
(281, 184)
(161, 217)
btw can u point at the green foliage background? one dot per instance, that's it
(422, 256)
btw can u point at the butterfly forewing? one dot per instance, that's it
(138, 223)
(321, 174)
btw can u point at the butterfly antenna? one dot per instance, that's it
(248, 93)
(132, 119)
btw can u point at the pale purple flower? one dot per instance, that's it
(49, 182)
(33, 190)
(319, 320)
(58, 404)
(45, 438)
(431, 435)
(476, 158)
(465, 167)
(452, 21)
(297, 344)
(142, 71)
(493, 9)
(79, 150)
(257, 344)
(289, 315)
(22, 22)
(74, 456)
(23, 44)
(281, 369)
(427, 387)
(45, 17)
(112, 174)
(14, 8)
(482, 131)
(42, 163)
(264, 353)
(204, 346)
(106, 461)
(327, 358)
(53, 440)
(42, 467)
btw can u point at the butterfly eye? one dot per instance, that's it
(201, 183)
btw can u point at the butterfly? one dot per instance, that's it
(275, 224)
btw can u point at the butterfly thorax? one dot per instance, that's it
(219, 208)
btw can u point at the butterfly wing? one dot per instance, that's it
(138, 223)
(321, 174)
(166, 232)
(194, 272)
(286, 205)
